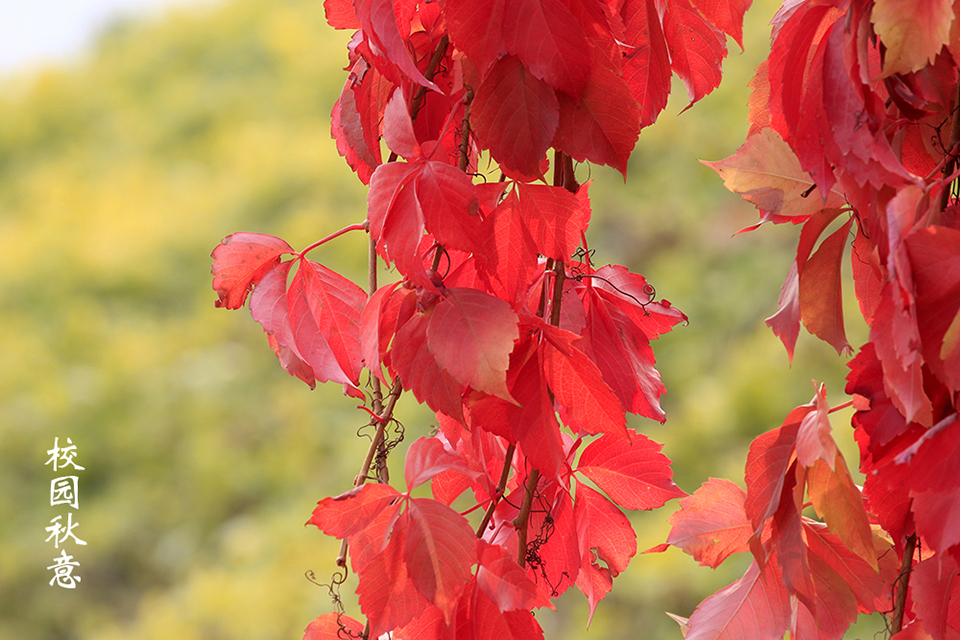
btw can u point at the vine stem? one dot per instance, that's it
(381, 422)
(563, 176)
(360, 226)
(903, 580)
(501, 486)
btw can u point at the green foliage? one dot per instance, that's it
(202, 457)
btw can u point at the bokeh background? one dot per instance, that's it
(123, 165)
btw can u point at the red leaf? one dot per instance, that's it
(726, 15)
(839, 502)
(934, 254)
(396, 221)
(269, 306)
(515, 115)
(870, 586)
(471, 334)
(355, 119)
(510, 259)
(631, 294)
(785, 323)
(633, 473)
(577, 384)
(912, 31)
(766, 173)
(712, 523)
(531, 423)
(646, 63)
(505, 582)
(814, 439)
(477, 29)
(448, 200)
(622, 352)
(549, 41)
(240, 261)
(696, 48)
(332, 626)
(605, 535)
(935, 587)
(755, 607)
(398, 128)
(346, 515)
(771, 454)
(386, 592)
(417, 368)
(555, 217)
(335, 304)
(604, 124)
(379, 23)
(440, 551)
(821, 299)
(428, 457)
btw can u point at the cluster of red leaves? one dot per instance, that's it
(519, 334)
(853, 118)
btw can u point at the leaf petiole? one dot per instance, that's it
(360, 226)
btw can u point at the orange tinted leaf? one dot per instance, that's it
(712, 523)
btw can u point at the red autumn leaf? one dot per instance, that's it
(379, 23)
(840, 503)
(934, 254)
(755, 607)
(696, 48)
(355, 118)
(607, 543)
(471, 334)
(347, 514)
(269, 306)
(869, 581)
(531, 422)
(766, 173)
(439, 552)
(398, 128)
(560, 556)
(604, 124)
(506, 583)
(428, 457)
(646, 62)
(335, 304)
(310, 323)
(416, 366)
(821, 300)
(240, 261)
(785, 323)
(332, 626)
(633, 473)
(588, 402)
(726, 15)
(622, 352)
(510, 261)
(386, 592)
(477, 29)
(555, 218)
(935, 587)
(912, 31)
(550, 42)
(814, 439)
(631, 294)
(515, 115)
(448, 200)
(712, 523)
(771, 454)
(396, 221)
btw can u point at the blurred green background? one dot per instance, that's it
(119, 175)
